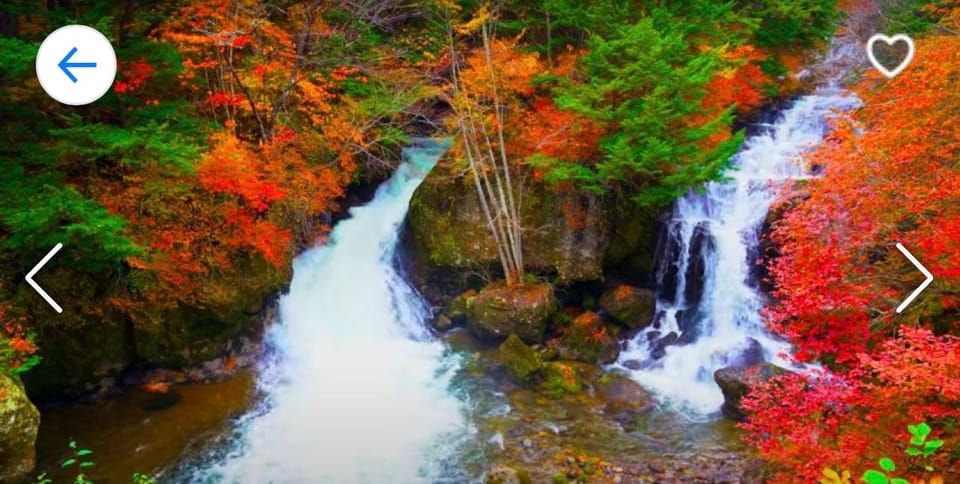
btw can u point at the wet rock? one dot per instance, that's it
(586, 339)
(702, 246)
(457, 308)
(160, 400)
(630, 306)
(498, 311)
(751, 353)
(502, 474)
(18, 432)
(658, 347)
(669, 251)
(691, 323)
(736, 382)
(521, 360)
(442, 323)
(619, 391)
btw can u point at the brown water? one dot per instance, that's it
(140, 431)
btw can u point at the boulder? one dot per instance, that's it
(571, 231)
(521, 361)
(502, 474)
(18, 431)
(669, 252)
(561, 378)
(498, 311)
(702, 246)
(736, 382)
(586, 339)
(749, 353)
(621, 392)
(658, 345)
(442, 323)
(630, 306)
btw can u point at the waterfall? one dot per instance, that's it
(357, 390)
(709, 301)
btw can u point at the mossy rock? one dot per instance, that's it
(456, 309)
(619, 391)
(630, 306)
(79, 361)
(587, 339)
(185, 337)
(561, 379)
(18, 432)
(499, 310)
(521, 361)
(573, 231)
(502, 474)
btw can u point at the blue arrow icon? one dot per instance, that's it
(65, 64)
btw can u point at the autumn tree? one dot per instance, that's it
(485, 91)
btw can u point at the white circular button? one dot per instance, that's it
(76, 65)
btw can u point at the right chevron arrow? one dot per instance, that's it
(923, 285)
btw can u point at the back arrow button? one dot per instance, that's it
(36, 287)
(65, 64)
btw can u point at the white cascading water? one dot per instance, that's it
(708, 295)
(358, 391)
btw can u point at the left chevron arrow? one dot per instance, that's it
(65, 65)
(36, 287)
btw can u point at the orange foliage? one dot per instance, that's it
(736, 86)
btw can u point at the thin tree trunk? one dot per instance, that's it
(517, 247)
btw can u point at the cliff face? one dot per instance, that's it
(570, 236)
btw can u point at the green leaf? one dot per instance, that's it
(897, 480)
(83, 452)
(875, 477)
(86, 464)
(923, 430)
(913, 451)
(887, 464)
(68, 463)
(933, 444)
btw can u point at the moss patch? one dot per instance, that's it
(521, 361)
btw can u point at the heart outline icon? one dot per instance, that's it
(890, 41)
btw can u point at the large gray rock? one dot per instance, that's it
(19, 422)
(736, 382)
(570, 233)
(498, 311)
